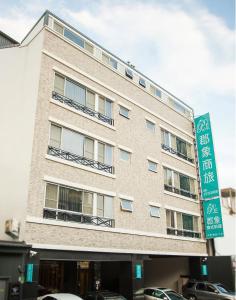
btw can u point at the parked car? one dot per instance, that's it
(154, 293)
(59, 296)
(203, 290)
(104, 295)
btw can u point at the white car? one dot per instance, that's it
(59, 296)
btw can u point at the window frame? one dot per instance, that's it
(153, 128)
(158, 215)
(150, 169)
(122, 114)
(125, 151)
(142, 82)
(122, 200)
(129, 73)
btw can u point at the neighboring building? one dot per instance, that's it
(98, 168)
(6, 41)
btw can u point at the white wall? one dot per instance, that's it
(165, 272)
(227, 244)
(19, 79)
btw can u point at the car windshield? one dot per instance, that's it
(174, 296)
(222, 288)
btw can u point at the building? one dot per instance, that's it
(100, 164)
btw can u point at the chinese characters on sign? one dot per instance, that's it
(206, 157)
(208, 178)
(213, 219)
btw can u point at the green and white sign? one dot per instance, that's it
(206, 157)
(213, 219)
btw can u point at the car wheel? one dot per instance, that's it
(192, 298)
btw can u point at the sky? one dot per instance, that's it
(186, 46)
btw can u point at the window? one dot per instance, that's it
(124, 112)
(81, 95)
(155, 91)
(79, 201)
(51, 196)
(142, 82)
(109, 61)
(168, 177)
(88, 47)
(104, 206)
(74, 37)
(150, 126)
(55, 136)
(152, 166)
(58, 27)
(181, 221)
(165, 138)
(126, 205)
(105, 106)
(104, 153)
(125, 155)
(179, 183)
(181, 146)
(129, 73)
(155, 211)
(79, 144)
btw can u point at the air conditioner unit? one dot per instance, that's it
(12, 228)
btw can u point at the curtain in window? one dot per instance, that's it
(179, 220)
(170, 220)
(70, 199)
(165, 138)
(51, 195)
(88, 203)
(59, 84)
(89, 148)
(75, 92)
(168, 177)
(176, 180)
(101, 152)
(55, 136)
(108, 155)
(108, 108)
(192, 185)
(181, 146)
(173, 142)
(101, 105)
(184, 182)
(90, 100)
(100, 205)
(72, 142)
(187, 222)
(108, 207)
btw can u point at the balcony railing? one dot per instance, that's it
(83, 108)
(173, 151)
(69, 216)
(182, 232)
(80, 160)
(182, 192)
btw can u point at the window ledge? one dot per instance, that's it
(177, 157)
(68, 163)
(81, 113)
(180, 196)
(156, 204)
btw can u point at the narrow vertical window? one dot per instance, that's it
(90, 100)
(59, 84)
(55, 136)
(88, 203)
(89, 148)
(58, 27)
(51, 195)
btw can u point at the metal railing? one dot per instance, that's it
(173, 151)
(80, 160)
(182, 192)
(182, 232)
(83, 108)
(69, 216)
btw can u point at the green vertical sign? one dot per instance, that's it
(206, 157)
(213, 219)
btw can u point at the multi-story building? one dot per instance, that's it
(98, 168)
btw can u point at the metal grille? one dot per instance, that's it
(83, 108)
(80, 160)
(67, 216)
(173, 151)
(185, 233)
(182, 192)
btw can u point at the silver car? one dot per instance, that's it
(156, 293)
(203, 290)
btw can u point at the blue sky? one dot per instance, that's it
(186, 46)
